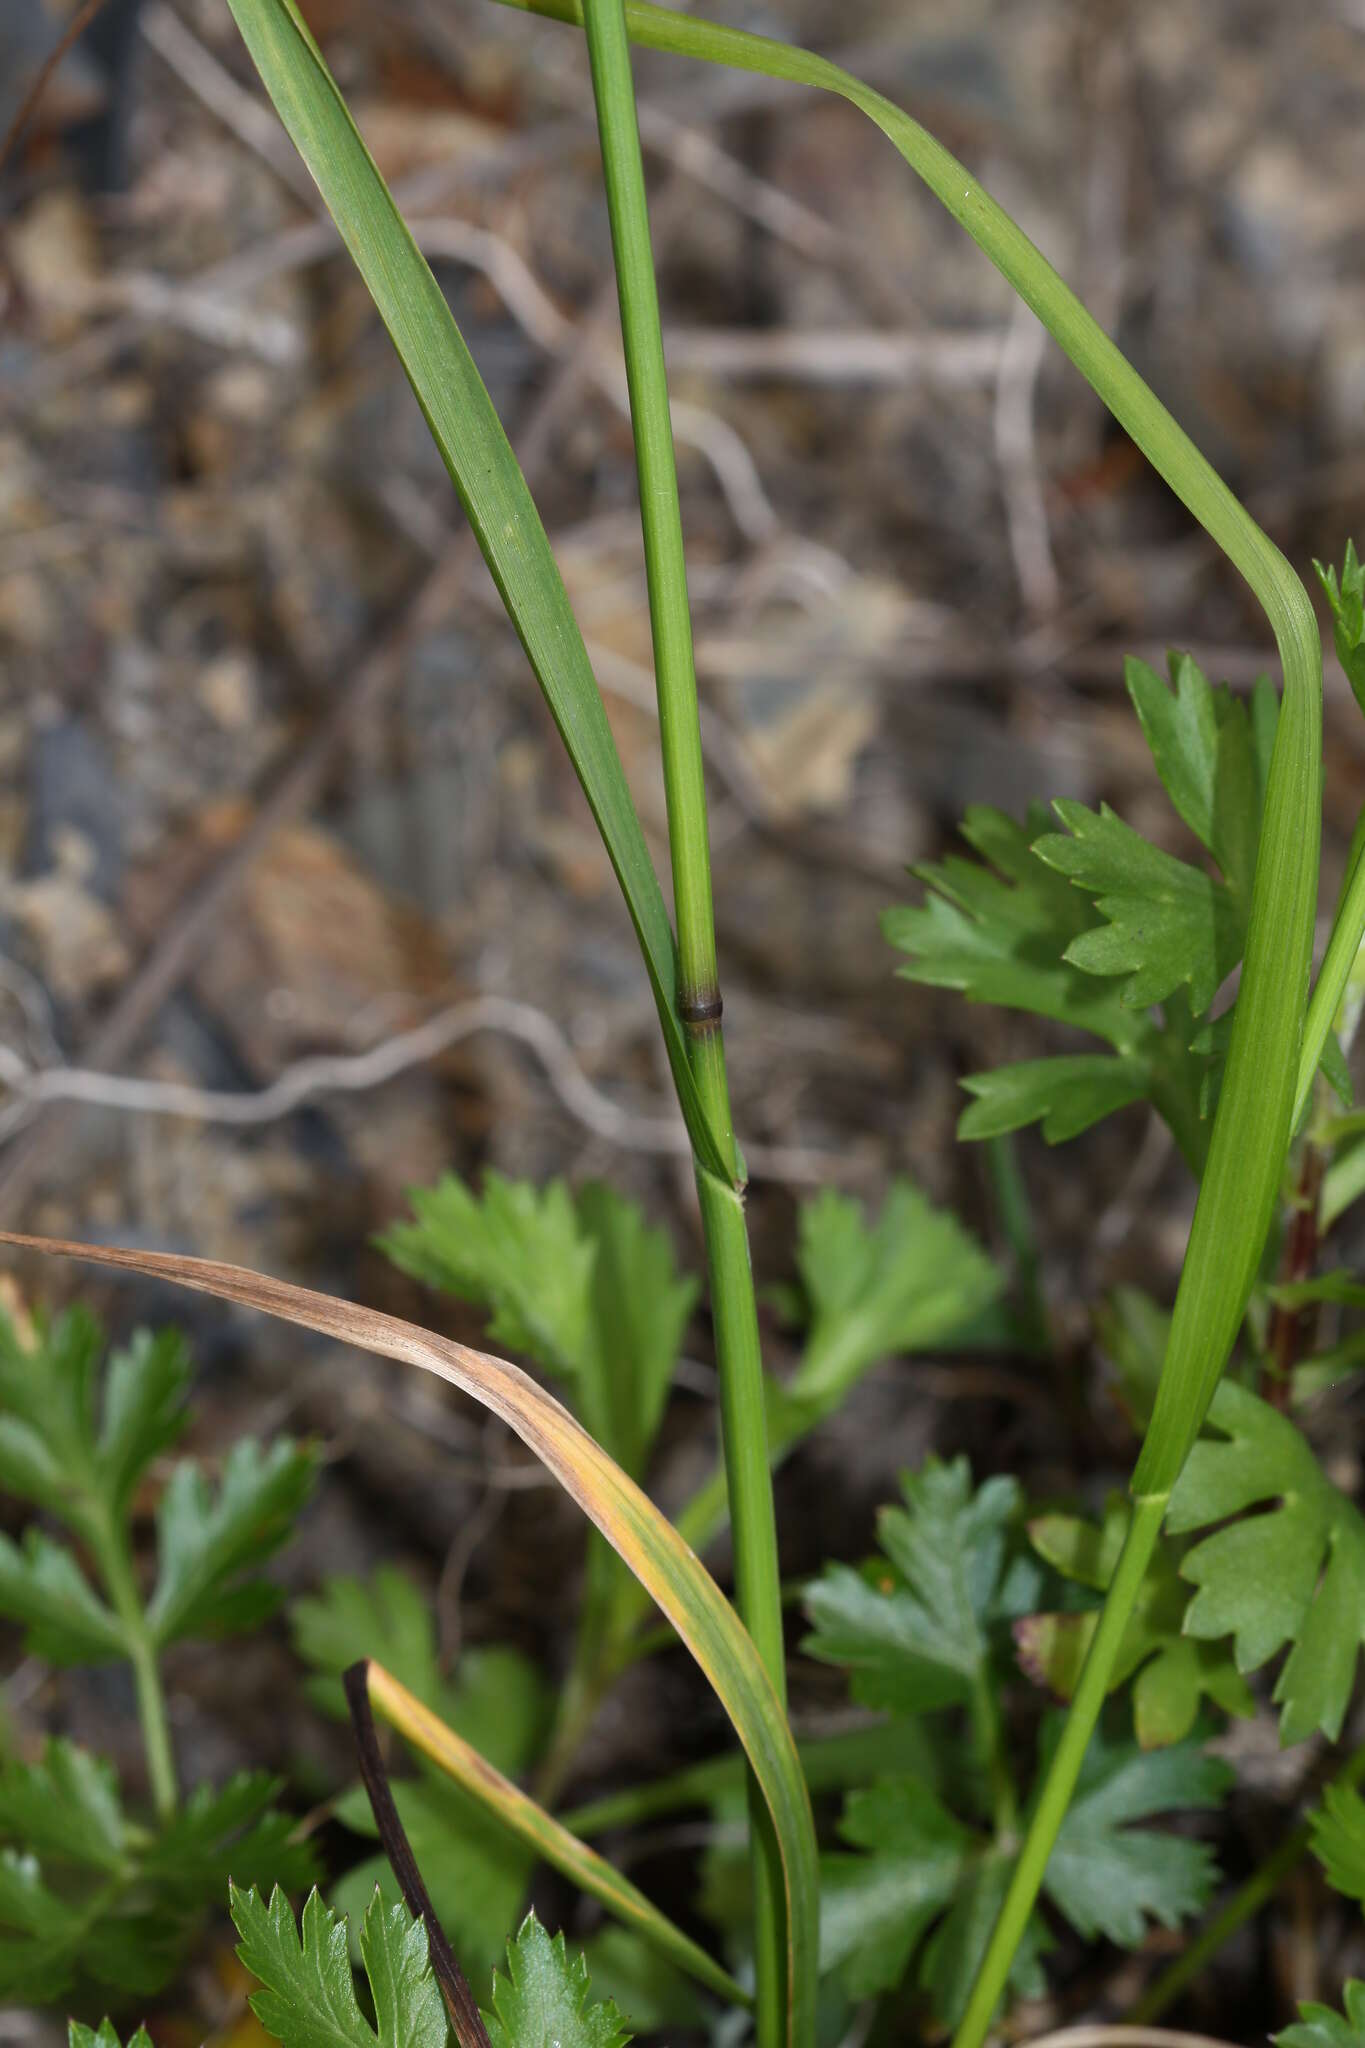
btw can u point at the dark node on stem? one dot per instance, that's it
(465, 2016)
(700, 1009)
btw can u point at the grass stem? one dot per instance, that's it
(116, 1569)
(743, 1419)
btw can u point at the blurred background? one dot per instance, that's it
(277, 785)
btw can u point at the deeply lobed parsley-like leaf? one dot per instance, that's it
(913, 1629)
(75, 1443)
(1319, 2027)
(1141, 926)
(1174, 1672)
(46, 1592)
(922, 1869)
(210, 1546)
(66, 1807)
(1212, 752)
(1167, 925)
(308, 1997)
(1346, 601)
(1108, 1877)
(86, 1892)
(1337, 1839)
(477, 1873)
(583, 1286)
(542, 2000)
(999, 933)
(515, 1249)
(1065, 1095)
(64, 1448)
(911, 1279)
(1293, 1573)
(925, 1892)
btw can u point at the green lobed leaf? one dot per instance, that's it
(913, 1629)
(542, 1999)
(63, 1446)
(1110, 1878)
(1212, 753)
(1174, 1673)
(1346, 600)
(237, 1832)
(923, 1895)
(1292, 1573)
(1319, 2027)
(1000, 933)
(1337, 1839)
(876, 1909)
(515, 1249)
(66, 1807)
(210, 1547)
(44, 1590)
(581, 1285)
(1065, 1095)
(1167, 924)
(1015, 933)
(906, 1282)
(308, 1998)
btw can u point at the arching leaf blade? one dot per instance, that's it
(487, 477)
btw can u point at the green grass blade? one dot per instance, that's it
(491, 487)
(521, 1816)
(645, 1540)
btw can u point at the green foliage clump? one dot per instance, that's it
(926, 1627)
(1093, 926)
(75, 1443)
(93, 1895)
(307, 1997)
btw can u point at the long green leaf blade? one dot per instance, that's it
(486, 475)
